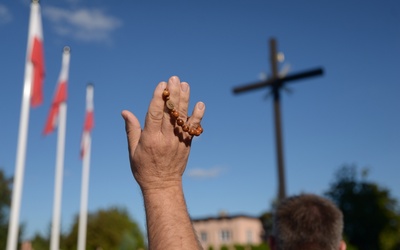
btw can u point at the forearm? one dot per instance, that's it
(168, 222)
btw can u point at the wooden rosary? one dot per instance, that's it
(174, 113)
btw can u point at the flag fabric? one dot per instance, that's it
(60, 94)
(35, 54)
(89, 121)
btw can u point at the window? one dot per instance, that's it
(225, 235)
(203, 236)
(249, 234)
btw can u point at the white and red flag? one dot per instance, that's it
(85, 155)
(35, 55)
(58, 118)
(60, 94)
(89, 121)
(32, 94)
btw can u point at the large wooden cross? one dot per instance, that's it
(275, 82)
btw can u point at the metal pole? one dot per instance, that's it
(18, 181)
(86, 147)
(55, 229)
(82, 229)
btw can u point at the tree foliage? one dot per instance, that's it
(40, 242)
(106, 229)
(371, 215)
(262, 246)
(5, 201)
(109, 229)
(267, 222)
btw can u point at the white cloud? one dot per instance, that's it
(82, 24)
(205, 173)
(5, 14)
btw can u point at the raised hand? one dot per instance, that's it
(159, 153)
(158, 156)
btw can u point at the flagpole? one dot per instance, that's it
(84, 195)
(55, 229)
(85, 153)
(58, 118)
(13, 225)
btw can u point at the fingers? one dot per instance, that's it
(159, 118)
(132, 128)
(179, 96)
(184, 99)
(155, 114)
(197, 115)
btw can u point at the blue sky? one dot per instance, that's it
(350, 115)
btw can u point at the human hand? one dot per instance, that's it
(159, 153)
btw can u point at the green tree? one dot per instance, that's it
(239, 247)
(110, 229)
(39, 242)
(267, 222)
(371, 215)
(42, 242)
(5, 201)
(262, 246)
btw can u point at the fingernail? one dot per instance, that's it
(162, 85)
(174, 78)
(184, 86)
(200, 105)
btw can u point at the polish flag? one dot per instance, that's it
(89, 121)
(32, 94)
(60, 95)
(35, 54)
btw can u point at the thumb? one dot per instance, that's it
(133, 130)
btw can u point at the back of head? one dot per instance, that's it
(307, 222)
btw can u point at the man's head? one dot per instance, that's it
(307, 222)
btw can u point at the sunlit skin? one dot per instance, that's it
(158, 157)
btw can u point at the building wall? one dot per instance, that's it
(26, 245)
(228, 230)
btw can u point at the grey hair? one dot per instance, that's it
(309, 222)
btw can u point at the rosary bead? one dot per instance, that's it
(197, 133)
(185, 128)
(192, 131)
(200, 129)
(180, 122)
(165, 94)
(175, 113)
